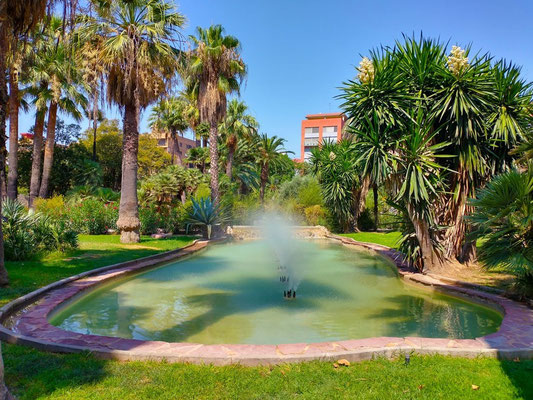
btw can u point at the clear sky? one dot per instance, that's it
(300, 51)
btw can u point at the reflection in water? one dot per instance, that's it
(231, 294)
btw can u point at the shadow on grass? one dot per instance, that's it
(32, 374)
(520, 373)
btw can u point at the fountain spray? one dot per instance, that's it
(278, 234)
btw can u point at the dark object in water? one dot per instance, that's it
(294, 294)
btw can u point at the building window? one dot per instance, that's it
(329, 132)
(311, 132)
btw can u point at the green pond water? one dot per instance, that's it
(232, 293)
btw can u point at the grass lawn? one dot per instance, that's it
(36, 375)
(93, 252)
(389, 239)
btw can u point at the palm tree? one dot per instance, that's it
(335, 165)
(503, 217)
(270, 152)
(374, 144)
(17, 18)
(169, 116)
(236, 125)
(214, 70)
(60, 71)
(140, 62)
(198, 156)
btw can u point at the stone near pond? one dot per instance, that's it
(161, 235)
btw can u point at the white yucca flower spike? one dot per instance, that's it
(457, 60)
(366, 71)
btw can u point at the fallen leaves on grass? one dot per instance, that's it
(475, 387)
(344, 362)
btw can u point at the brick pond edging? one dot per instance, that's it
(27, 318)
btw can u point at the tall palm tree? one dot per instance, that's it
(236, 125)
(169, 116)
(140, 59)
(61, 71)
(214, 70)
(17, 18)
(270, 152)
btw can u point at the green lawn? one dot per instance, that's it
(94, 252)
(36, 375)
(389, 239)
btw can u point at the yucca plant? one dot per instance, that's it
(206, 213)
(503, 218)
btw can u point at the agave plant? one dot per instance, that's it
(206, 213)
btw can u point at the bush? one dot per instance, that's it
(503, 219)
(27, 233)
(315, 215)
(18, 224)
(92, 216)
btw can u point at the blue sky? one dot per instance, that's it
(300, 51)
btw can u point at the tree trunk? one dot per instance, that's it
(430, 258)
(360, 201)
(376, 208)
(264, 179)
(4, 280)
(213, 153)
(95, 124)
(128, 220)
(229, 164)
(37, 157)
(14, 105)
(49, 149)
(4, 393)
(455, 239)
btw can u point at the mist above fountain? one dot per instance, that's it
(278, 234)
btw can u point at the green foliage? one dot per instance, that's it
(27, 233)
(335, 167)
(91, 216)
(71, 167)
(206, 213)
(503, 217)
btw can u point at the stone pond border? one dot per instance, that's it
(25, 321)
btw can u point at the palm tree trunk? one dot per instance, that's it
(4, 393)
(213, 153)
(49, 149)
(37, 157)
(95, 124)
(376, 208)
(229, 164)
(430, 258)
(3, 109)
(128, 220)
(264, 179)
(14, 104)
(457, 246)
(360, 201)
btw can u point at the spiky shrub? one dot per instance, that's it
(503, 217)
(17, 225)
(28, 233)
(206, 213)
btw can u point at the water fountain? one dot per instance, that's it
(284, 246)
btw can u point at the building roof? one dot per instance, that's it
(325, 115)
